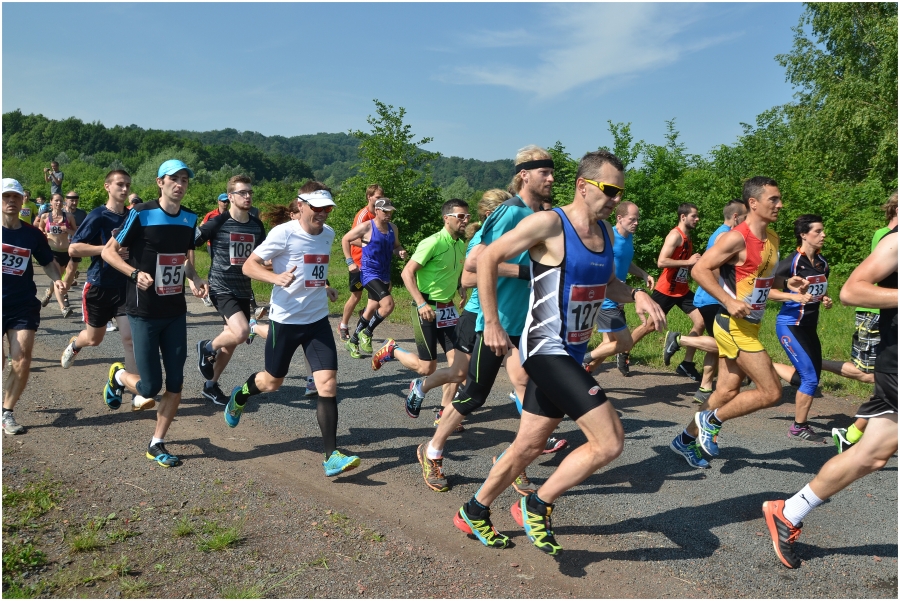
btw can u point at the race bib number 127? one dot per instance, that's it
(315, 270)
(584, 304)
(169, 274)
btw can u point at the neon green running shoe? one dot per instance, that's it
(365, 342)
(353, 349)
(481, 527)
(535, 519)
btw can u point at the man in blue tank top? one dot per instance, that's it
(380, 240)
(571, 263)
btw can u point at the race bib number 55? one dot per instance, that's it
(239, 248)
(315, 270)
(169, 274)
(15, 259)
(584, 304)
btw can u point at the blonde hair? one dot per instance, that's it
(890, 207)
(529, 153)
(490, 200)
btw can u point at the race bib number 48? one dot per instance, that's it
(315, 270)
(239, 248)
(584, 304)
(760, 294)
(15, 259)
(169, 274)
(446, 315)
(818, 286)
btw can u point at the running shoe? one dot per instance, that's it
(139, 403)
(310, 387)
(111, 326)
(784, 534)
(339, 463)
(214, 393)
(68, 356)
(481, 527)
(839, 435)
(233, 411)
(554, 445)
(522, 484)
(384, 354)
(709, 433)
(158, 453)
(690, 452)
(48, 294)
(365, 342)
(10, 425)
(701, 396)
(344, 332)
(415, 398)
(535, 519)
(66, 311)
(805, 433)
(207, 301)
(437, 421)
(252, 334)
(353, 349)
(515, 399)
(432, 470)
(687, 369)
(112, 392)
(622, 360)
(260, 313)
(205, 361)
(671, 346)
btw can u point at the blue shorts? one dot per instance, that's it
(154, 338)
(801, 343)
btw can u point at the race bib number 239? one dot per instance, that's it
(15, 259)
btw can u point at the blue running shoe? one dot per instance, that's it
(709, 433)
(158, 453)
(690, 452)
(535, 520)
(415, 398)
(233, 411)
(112, 392)
(339, 463)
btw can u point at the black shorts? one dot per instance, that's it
(315, 338)
(465, 331)
(666, 302)
(377, 289)
(356, 281)
(611, 320)
(708, 313)
(483, 369)
(884, 401)
(559, 386)
(62, 257)
(227, 305)
(26, 316)
(100, 305)
(428, 335)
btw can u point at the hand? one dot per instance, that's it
(61, 286)
(286, 278)
(496, 338)
(199, 288)
(352, 267)
(403, 254)
(427, 313)
(123, 252)
(737, 309)
(144, 281)
(802, 298)
(646, 306)
(332, 294)
(650, 282)
(797, 284)
(827, 302)
(693, 260)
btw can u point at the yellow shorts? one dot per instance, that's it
(736, 335)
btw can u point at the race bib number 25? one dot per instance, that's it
(315, 270)
(15, 259)
(169, 274)
(584, 304)
(760, 293)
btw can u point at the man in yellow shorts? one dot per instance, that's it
(745, 258)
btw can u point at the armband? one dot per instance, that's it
(420, 306)
(524, 272)
(349, 262)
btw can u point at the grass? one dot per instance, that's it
(219, 538)
(19, 558)
(237, 591)
(183, 527)
(36, 499)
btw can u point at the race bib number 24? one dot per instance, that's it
(169, 274)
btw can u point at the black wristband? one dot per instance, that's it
(524, 272)
(634, 291)
(327, 283)
(134, 275)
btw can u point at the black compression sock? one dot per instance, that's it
(247, 390)
(687, 438)
(360, 326)
(373, 323)
(327, 416)
(714, 420)
(473, 507)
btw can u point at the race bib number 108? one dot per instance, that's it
(169, 274)
(315, 270)
(239, 248)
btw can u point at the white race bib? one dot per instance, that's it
(446, 316)
(169, 274)
(15, 259)
(56, 230)
(818, 286)
(681, 276)
(315, 270)
(584, 304)
(239, 248)
(760, 294)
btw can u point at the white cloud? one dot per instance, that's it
(577, 44)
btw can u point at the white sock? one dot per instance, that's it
(118, 377)
(797, 507)
(156, 440)
(433, 453)
(343, 325)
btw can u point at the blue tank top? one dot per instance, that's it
(566, 299)
(376, 256)
(623, 255)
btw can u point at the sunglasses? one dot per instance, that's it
(243, 193)
(460, 216)
(608, 189)
(327, 209)
(72, 198)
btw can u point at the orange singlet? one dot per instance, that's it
(673, 281)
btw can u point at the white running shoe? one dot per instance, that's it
(139, 403)
(111, 326)
(68, 356)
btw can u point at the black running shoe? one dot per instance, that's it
(671, 346)
(687, 369)
(622, 364)
(205, 361)
(215, 394)
(161, 456)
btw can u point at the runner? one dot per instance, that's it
(232, 236)
(380, 239)
(872, 284)
(57, 225)
(158, 235)
(29, 210)
(533, 182)
(571, 255)
(733, 215)
(746, 258)
(103, 298)
(72, 200)
(21, 310)
(611, 319)
(367, 213)
(221, 207)
(299, 317)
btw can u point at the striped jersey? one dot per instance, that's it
(231, 243)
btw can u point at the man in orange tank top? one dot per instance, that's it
(676, 258)
(367, 213)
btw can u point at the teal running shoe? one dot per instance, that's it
(112, 392)
(535, 519)
(690, 452)
(709, 433)
(233, 411)
(339, 463)
(481, 527)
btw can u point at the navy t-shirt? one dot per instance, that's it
(19, 245)
(98, 227)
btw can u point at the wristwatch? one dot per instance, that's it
(134, 275)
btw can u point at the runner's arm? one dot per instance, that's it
(861, 289)
(673, 241)
(725, 251)
(398, 248)
(634, 270)
(355, 234)
(507, 270)
(409, 280)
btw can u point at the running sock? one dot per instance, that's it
(210, 383)
(373, 323)
(714, 419)
(517, 402)
(75, 349)
(247, 390)
(854, 434)
(327, 416)
(473, 507)
(433, 453)
(686, 438)
(155, 441)
(417, 383)
(360, 326)
(537, 501)
(799, 425)
(343, 326)
(209, 348)
(797, 507)
(118, 377)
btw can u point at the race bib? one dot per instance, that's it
(25, 212)
(446, 316)
(760, 294)
(15, 259)
(56, 229)
(315, 270)
(169, 274)
(239, 248)
(584, 304)
(818, 286)
(681, 276)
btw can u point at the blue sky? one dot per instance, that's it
(482, 79)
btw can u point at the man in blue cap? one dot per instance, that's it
(222, 207)
(159, 235)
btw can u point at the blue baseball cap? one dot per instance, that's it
(173, 166)
(223, 197)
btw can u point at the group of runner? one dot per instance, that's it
(540, 280)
